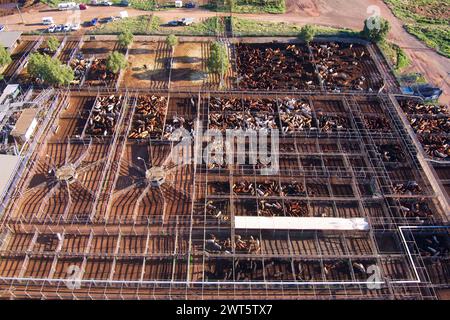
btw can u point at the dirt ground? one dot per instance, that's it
(147, 65)
(188, 67)
(337, 13)
(98, 49)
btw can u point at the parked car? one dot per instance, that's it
(124, 3)
(51, 28)
(106, 3)
(75, 27)
(83, 6)
(190, 5)
(173, 23)
(107, 19)
(47, 21)
(93, 22)
(186, 21)
(59, 28)
(2, 27)
(67, 27)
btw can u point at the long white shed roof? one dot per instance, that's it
(300, 223)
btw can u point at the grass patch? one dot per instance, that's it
(247, 6)
(209, 26)
(428, 20)
(395, 55)
(151, 25)
(140, 25)
(146, 5)
(246, 27)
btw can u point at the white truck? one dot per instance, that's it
(47, 21)
(68, 6)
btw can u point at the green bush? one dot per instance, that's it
(50, 71)
(115, 62)
(402, 59)
(125, 38)
(53, 44)
(375, 29)
(5, 57)
(172, 40)
(218, 60)
(307, 33)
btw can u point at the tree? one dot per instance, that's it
(218, 60)
(375, 29)
(5, 57)
(49, 70)
(172, 41)
(53, 44)
(115, 62)
(307, 33)
(125, 38)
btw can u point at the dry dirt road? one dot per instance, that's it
(337, 13)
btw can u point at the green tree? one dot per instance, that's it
(49, 70)
(172, 41)
(53, 44)
(375, 29)
(5, 57)
(307, 33)
(218, 60)
(125, 38)
(115, 62)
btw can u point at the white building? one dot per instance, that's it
(25, 125)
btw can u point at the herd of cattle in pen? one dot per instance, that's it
(274, 269)
(431, 123)
(335, 66)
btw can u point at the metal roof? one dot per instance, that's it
(9, 164)
(300, 223)
(9, 38)
(24, 122)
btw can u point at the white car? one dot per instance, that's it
(106, 3)
(75, 27)
(51, 29)
(59, 28)
(66, 27)
(187, 21)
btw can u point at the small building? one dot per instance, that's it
(9, 165)
(25, 125)
(10, 92)
(9, 39)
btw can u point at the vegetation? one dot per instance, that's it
(375, 29)
(402, 59)
(115, 62)
(307, 33)
(248, 6)
(172, 40)
(246, 27)
(48, 70)
(428, 20)
(53, 44)
(218, 60)
(136, 25)
(147, 25)
(125, 38)
(395, 55)
(146, 5)
(209, 26)
(5, 57)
